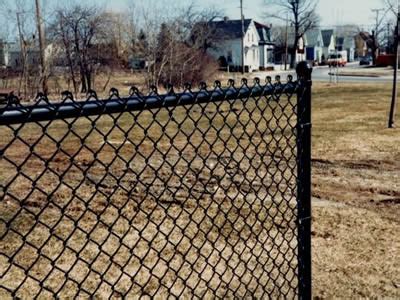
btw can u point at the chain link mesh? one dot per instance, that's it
(187, 194)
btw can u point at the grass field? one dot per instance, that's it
(356, 190)
(356, 203)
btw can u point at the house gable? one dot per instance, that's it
(251, 37)
(313, 38)
(264, 33)
(328, 38)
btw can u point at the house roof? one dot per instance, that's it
(327, 36)
(229, 29)
(313, 37)
(340, 41)
(279, 37)
(264, 32)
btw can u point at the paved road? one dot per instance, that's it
(321, 74)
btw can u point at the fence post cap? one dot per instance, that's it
(304, 69)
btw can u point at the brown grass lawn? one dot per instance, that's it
(356, 202)
(167, 202)
(356, 190)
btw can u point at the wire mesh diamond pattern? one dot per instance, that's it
(187, 194)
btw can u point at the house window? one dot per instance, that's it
(252, 37)
(248, 37)
(254, 54)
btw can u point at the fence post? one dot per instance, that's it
(304, 71)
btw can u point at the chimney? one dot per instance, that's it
(226, 19)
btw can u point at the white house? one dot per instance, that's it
(284, 41)
(314, 46)
(329, 39)
(11, 55)
(346, 43)
(266, 46)
(227, 47)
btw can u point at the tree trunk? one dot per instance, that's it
(292, 59)
(374, 56)
(293, 54)
(83, 80)
(88, 76)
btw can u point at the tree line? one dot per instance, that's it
(84, 40)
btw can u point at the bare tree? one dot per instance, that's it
(395, 9)
(21, 13)
(302, 17)
(81, 30)
(162, 36)
(376, 36)
(392, 6)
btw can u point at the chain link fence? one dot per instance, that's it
(193, 194)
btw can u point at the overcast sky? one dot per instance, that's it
(332, 12)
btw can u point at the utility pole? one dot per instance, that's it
(377, 11)
(243, 33)
(21, 39)
(286, 40)
(40, 29)
(395, 68)
(23, 55)
(388, 38)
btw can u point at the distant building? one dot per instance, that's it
(314, 46)
(361, 44)
(329, 46)
(347, 44)
(266, 46)
(281, 43)
(14, 56)
(227, 44)
(11, 55)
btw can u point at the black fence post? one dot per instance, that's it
(304, 71)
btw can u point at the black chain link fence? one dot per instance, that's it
(192, 194)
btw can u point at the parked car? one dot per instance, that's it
(365, 61)
(337, 60)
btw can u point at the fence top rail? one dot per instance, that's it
(12, 112)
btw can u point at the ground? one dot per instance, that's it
(364, 71)
(356, 194)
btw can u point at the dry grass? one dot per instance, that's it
(121, 80)
(356, 190)
(189, 211)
